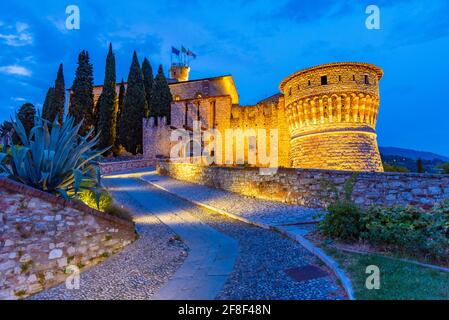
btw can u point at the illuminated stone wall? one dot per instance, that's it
(304, 186)
(331, 113)
(326, 117)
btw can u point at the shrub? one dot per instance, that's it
(57, 161)
(343, 218)
(100, 200)
(342, 221)
(411, 229)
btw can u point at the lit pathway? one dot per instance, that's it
(261, 212)
(211, 257)
(228, 259)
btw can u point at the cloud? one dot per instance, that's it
(18, 99)
(19, 37)
(15, 70)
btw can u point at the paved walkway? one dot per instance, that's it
(263, 256)
(227, 259)
(261, 212)
(211, 257)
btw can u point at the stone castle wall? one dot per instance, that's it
(41, 235)
(305, 186)
(332, 112)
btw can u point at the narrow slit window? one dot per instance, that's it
(366, 79)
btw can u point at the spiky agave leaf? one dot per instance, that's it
(56, 160)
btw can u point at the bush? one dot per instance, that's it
(407, 228)
(99, 201)
(342, 221)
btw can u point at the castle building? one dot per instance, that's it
(325, 116)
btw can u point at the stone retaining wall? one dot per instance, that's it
(119, 166)
(305, 186)
(42, 235)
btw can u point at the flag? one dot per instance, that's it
(175, 51)
(183, 50)
(191, 54)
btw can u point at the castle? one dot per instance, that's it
(325, 115)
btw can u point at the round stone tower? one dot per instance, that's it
(331, 111)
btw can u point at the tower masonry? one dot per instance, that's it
(331, 111)
(179, 72)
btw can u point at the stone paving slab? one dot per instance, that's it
(262, 212)
(212, 254)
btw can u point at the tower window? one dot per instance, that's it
(339, 78)
(290, 91)
(353, 77)
(309, 82)
(323, 80)
(366, 79)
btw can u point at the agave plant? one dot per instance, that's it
(54, 157)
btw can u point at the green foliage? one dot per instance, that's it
(148, 82)
(133, 110)
(162, 98)
(82, 99)
(26, 115)
(408, 228)
(118, 148)
(107, 109)
(6, 134)
(55, 109)
(57, 160)
(419, 166)
(393, 168)
(444, 167)
(343, 220)
(99, 202)
(47, 108)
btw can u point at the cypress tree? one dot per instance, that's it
(82, 99)
(121, 98)
(148, 81)
(420, 166)
(26, 115)
(46, 108)
(58, 101)
(133, 109)
(107, 109)
(162, 98)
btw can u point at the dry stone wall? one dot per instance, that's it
(42, 235)
(305, 186)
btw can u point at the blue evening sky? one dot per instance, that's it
(258, 42)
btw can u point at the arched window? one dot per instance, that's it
(177, 98)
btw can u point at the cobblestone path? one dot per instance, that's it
(227, 259)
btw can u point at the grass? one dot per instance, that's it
(399, 280)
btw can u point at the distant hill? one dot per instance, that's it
(412, 154)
